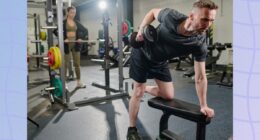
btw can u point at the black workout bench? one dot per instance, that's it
(183, 110)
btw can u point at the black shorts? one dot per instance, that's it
(142, 68)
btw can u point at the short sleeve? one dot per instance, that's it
(170, 14)
(201, 55)
(170, 18)
(162, 14)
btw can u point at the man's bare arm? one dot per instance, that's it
(148, 19)
(201, 88)
(201, 82)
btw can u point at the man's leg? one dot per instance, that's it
(139, 89)
(163, 89)
(166, 89)
(153, 90)
(134, 105)
(138, 71)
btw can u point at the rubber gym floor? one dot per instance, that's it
(108, 120)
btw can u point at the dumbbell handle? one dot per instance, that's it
(136, 39)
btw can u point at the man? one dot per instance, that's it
(178, 35)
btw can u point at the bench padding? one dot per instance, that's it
(179, 108)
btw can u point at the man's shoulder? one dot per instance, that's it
(173, 12)
(172, 15)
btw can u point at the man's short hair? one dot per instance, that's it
(205, 4)
(71, 8)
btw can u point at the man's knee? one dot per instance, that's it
(166, 89)
(139, 91)
(168, 95)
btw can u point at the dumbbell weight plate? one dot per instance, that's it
(149, 33)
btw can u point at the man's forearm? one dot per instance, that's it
(148, 19)
(201, 88)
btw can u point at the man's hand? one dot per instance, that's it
(139, 36)
(209, 112)
(66, 40)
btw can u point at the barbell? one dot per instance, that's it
(74, 41)
(85, 41)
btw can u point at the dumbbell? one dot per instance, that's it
(133, 41)
(228, 45)
(149, 34)
(219, 46)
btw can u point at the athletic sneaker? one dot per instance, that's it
(66, 86)
(132, 134)
(81, 85)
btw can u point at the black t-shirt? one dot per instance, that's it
(170, 43)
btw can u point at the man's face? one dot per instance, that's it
(72, 13)
(202, 19)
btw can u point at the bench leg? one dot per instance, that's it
(164, 123)
(201, 131)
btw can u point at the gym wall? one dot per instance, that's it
(91, 18)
